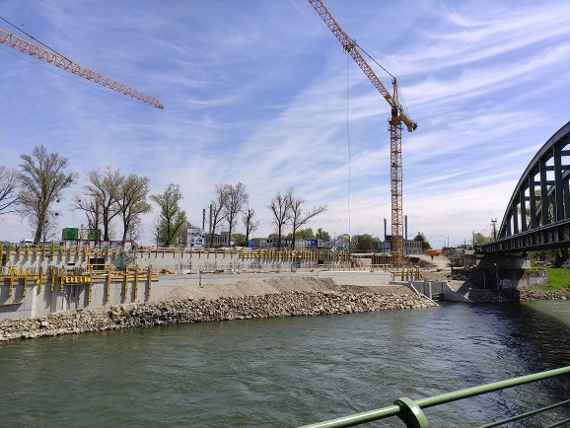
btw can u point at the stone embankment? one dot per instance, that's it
(344, 300)
(528, 294)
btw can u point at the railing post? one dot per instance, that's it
(411, 414)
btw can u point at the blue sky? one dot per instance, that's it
(255, 91)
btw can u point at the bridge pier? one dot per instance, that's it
(507, 271)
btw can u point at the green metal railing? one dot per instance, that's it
(411, 411)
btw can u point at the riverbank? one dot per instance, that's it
(329, 300)
(530, 294)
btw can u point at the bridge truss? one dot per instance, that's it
(538, 214)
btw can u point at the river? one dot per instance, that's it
(286, 372)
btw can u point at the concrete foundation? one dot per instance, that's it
(35, 301)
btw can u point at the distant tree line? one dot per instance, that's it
(39, 183)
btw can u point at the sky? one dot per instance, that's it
(256, 91)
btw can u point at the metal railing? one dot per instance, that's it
(411, 411)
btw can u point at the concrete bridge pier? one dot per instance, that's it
(507, 271)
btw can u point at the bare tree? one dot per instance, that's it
(217, 210)
(250, 223)
(300, 215)
(172, 218)
(132, 203)
(91, 207)
(101, 193)
(281, 210)
(236, 198)
(8, 190)
(42, 180)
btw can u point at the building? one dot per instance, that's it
(217, 240)
(411, 247)
(300, 244)
(195, 238)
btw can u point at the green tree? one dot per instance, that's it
(420, 237)
(365, 243)
(172, 219)
(239, 240)
(303, 234)
(42, 180)
(323, 234)
(480, 239)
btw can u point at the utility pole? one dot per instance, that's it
(203, 220)
(494, 225)
(210, 229)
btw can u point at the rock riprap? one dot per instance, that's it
(182, 311)
(528, 294)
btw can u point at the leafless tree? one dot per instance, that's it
(250, 223)
(132, 202)
(281, 209)
(101, 195)
(91, 207)
(8, 190)
(300, 215)
(236, 198)
(217, 210)
(42, 180)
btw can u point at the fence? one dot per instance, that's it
(411, 411)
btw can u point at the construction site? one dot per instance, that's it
(266, 214)
(46, 278)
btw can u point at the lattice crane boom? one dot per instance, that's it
(398, 117)
(45, 55)
(353, 50)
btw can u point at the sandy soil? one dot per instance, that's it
(258, 287)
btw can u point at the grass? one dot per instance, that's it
(558, 278)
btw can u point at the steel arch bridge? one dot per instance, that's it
(538, 214)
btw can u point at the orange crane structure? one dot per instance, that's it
(49, 56)
(397, 118)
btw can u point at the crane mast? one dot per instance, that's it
(397, 118)
(45, 55)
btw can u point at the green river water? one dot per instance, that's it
(286, 372)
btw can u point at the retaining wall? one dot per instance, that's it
(35, 301)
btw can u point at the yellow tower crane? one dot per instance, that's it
(397, 118)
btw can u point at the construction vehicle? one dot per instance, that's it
(397, 118)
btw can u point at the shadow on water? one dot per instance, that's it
(286, 372)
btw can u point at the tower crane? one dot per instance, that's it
(397, 118)
(48, 56)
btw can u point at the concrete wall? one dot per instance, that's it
(174, 261)
(38, 301)
(357, 278)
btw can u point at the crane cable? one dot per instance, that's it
(348, 145)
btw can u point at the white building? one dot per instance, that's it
(195, 238)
